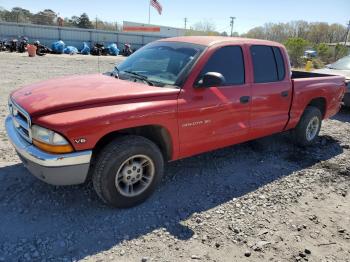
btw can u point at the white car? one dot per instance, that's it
(340, 67)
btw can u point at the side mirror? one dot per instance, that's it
(211, 79)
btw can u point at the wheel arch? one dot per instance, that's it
(156, 133)
(320, 103)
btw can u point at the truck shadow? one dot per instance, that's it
(343, 115)
(78, 225)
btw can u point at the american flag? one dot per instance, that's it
(157, 6)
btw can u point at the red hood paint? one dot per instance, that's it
(78, 91)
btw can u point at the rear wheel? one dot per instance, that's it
(308, 128)
(127, 171)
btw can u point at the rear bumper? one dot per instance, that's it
(346, 99)
(55, 169)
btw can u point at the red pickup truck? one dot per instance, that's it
(171, 99)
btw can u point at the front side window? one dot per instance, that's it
(227, 61)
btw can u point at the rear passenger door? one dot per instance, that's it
(271, 91)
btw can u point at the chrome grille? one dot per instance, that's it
(21, 120)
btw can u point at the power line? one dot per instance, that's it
(232, 21)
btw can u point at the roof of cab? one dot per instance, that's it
(212, 40)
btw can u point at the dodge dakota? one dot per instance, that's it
(172, 99)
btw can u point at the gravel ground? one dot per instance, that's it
(264, 200)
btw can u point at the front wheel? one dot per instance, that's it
(127, 171)
(308, 128)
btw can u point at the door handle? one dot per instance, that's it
(244, 99)
(284, 93)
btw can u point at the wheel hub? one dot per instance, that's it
(312, 128)
(132, 173)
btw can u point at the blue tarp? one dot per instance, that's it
(70, 50)
(113, 49)
(86, 49)
(58, 47)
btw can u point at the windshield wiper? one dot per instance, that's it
(140, 77)
(115, 72)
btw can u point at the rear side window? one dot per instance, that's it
(268, 64)
(229, 62)
(279, 62)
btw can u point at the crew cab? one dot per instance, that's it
(173, 98)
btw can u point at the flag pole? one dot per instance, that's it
(149, 12)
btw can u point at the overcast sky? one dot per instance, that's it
(249, 13)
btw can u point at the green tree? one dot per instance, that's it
(83, 21)
(340, 51)
(71, 22)
(296, 47)
(45, 17)
(324, 52)
(3, 12)
(17, 14)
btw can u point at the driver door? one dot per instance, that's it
(218, 116)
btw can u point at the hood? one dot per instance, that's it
(330, 71)
(84, 90)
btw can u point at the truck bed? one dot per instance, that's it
(304, 74)
(310, 85)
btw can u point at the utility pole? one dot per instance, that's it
(232, 23)
(149, 12)
(96, 23)
(347, 34)
(185, 19)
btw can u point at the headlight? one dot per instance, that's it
(50, 141)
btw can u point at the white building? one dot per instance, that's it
(155, 30)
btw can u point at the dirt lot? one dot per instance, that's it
(265, 200)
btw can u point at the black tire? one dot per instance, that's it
(300, 132)
(111, 159)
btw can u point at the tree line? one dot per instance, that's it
(297, 36)
(50, 17)
(316, 32)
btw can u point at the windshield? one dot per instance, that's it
(341, 64)
(160, 62)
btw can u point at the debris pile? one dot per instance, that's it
(59, 47)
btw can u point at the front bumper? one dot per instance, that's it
(55, 169)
